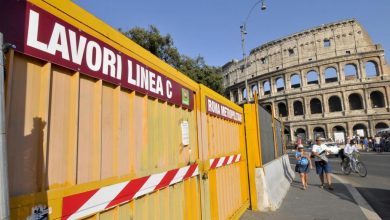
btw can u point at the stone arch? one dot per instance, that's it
(301, 132)
(279, 81)
(334, 103)
(266, 87)
(312, 77)
(377, 99)
(235, 96)
(255, 88)
(330, 74)
(338, 128)
(339, 134)
(372, 69)
(315, 106)
(282, 109)
(350, 71)
(380, 126)
(244, 93)
(355, 101)
(360, 129)
(268, 108)
(318, 131)
(298, 108)
(295, 81)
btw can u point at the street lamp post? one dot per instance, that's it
(243, 34)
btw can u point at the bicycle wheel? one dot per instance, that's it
(346, 168)
(361, 168)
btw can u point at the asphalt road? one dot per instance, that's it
(375, 187)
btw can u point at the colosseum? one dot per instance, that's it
(329, 81)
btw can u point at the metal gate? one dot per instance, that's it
(223, 152)
(87, 141)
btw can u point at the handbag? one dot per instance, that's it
(297, 167)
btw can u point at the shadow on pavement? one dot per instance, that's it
(379, 200)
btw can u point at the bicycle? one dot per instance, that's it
(348, 165)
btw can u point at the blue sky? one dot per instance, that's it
(210, 28)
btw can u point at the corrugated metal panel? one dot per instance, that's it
(72, 135)
(227, 185)
(94, 131)
(267, 135)
(89, 144)
(279, 137)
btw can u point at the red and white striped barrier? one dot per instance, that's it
(223, 161)
(93, 201)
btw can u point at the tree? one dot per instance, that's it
(163, 47)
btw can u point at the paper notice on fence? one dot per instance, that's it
(185, 134)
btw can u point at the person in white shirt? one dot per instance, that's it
(349, 149)
(322, 166)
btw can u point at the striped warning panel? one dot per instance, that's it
(97, 200)
(223, 161)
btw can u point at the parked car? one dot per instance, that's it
(334, 148)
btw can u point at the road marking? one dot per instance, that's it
(363, 204)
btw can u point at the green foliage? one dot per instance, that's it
(163, 47)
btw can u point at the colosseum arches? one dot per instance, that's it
(315, 106)
(254, 89)
(318, 132)
(371, 69)
(244, 94)
(355, 101)
(334, 104)
(312, 77)
(235, 96)
(268, 108)
(282, 109)
(330, 75)
(279, 84)
(266, 87)
(338, 128)
(301, 132)
(360, 129)
(350, 71)
(380, 126)
(295, 81)
(298, 108)
(377, 99)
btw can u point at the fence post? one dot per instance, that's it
(251, 145)
(4, 197)
(274, 132)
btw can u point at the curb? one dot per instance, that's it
(359, 199)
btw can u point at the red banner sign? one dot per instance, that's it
(217, 109)
(52, 39)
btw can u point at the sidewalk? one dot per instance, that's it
(313, 203)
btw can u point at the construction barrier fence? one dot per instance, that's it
(99, 128)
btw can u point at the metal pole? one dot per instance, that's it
(243, 33)
(245, 59)
(4, 197)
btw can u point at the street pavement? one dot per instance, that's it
(375, 187)
(320, 204)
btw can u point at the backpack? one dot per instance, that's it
(304, 161)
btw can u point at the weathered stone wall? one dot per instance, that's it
(344, 47)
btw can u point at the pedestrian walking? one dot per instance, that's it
(303, 165)
(323, 168)
(377, 143)
(365, 144)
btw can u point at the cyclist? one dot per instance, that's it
(349, 151)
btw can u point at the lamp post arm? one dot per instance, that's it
(245, 58)
(250, 12)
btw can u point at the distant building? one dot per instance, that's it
(330, 80)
